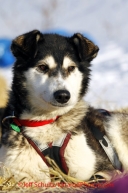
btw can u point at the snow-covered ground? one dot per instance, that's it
(109, 84)
(104, 21)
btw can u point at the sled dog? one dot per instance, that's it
(46, 115)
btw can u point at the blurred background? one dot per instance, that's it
(104, 22)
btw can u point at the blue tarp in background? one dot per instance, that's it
(6, 57)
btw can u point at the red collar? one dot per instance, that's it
(33, 123)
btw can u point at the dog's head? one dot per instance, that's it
(54, 70)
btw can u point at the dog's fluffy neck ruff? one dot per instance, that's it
(41, 115)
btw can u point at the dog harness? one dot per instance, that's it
(56, 149)
(106, 144)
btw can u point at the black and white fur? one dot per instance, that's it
(50, 78)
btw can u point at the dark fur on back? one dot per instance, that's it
(95, 119)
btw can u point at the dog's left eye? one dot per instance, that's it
(43, 68)
(71, 68)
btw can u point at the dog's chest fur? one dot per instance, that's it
(79, 156)
(83, 154)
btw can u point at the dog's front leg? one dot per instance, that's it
(25, 164)
(80, 158)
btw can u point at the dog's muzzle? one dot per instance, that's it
(62, 96)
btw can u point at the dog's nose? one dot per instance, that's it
(62, 96)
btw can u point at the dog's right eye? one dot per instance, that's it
(71, 68)
(43, 68)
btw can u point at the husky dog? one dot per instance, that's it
(50, 78)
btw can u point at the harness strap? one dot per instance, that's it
(54, 150)
(106, 144)
(111, 153)
(62, 150)
(108, 148)
(33, 144)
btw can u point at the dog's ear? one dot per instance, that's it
(86, 49)
(26, 45)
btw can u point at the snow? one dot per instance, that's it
(109, 84)
(104, 21)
